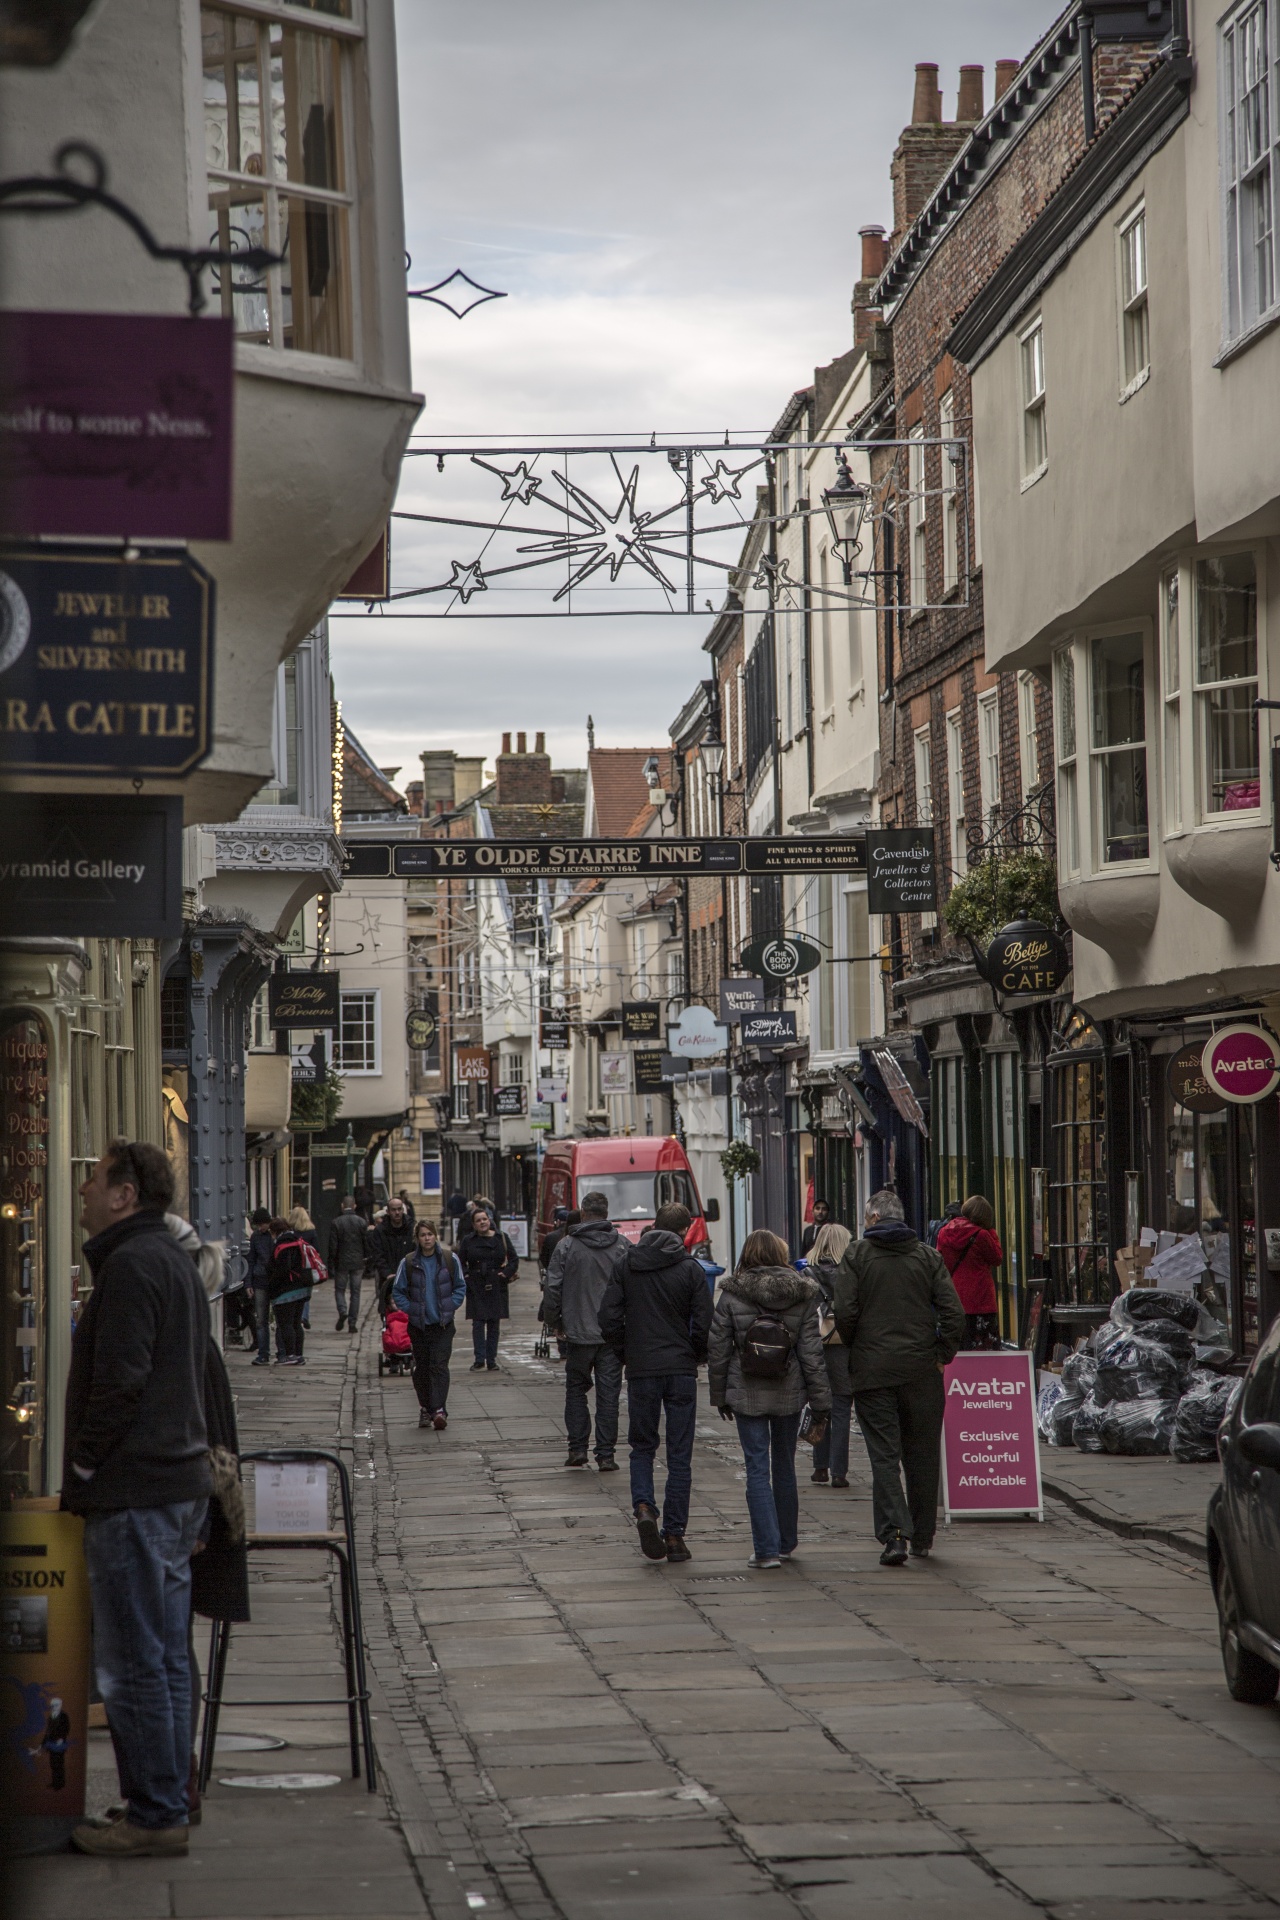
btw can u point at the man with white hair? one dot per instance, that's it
(901, 1318)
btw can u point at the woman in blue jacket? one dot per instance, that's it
(429, 1287)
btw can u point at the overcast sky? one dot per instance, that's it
(670, 196)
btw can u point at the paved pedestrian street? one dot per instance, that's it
(1032, 1721)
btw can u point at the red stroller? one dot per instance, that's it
(397, 1349)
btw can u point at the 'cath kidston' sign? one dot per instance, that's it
(990, 1448)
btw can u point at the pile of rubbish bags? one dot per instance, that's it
(1149, 1380)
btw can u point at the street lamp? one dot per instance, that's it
(711, 752)
(846, 506)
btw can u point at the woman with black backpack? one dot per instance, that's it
(766, 1362)
(289, 1281)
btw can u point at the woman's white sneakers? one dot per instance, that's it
(762, 1564)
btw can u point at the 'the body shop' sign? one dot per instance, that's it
(1242, 1063)
(990, 1448)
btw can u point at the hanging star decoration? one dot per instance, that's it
(775, 573)
(610, 539)
(519, 484)
(369, 927)
(723, 483)
(467, 579)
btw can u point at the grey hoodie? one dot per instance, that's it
(581, 1268)
(785, 1295)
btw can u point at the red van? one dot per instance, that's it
(636, 1176)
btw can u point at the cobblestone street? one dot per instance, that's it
(1034, 1720)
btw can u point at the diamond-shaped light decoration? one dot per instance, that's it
(456, 302)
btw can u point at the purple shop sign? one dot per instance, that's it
(116, 425)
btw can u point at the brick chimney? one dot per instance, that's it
(1005, 71)
(413, 794)
(524, 779)
(539, 742)
(875, 253)
(969, 100)
(924, 152)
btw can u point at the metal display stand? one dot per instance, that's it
(342, 1544)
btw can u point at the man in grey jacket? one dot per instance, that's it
(348, 1238)
(581, 1268)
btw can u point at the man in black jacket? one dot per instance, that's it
(348, 1250)
(656, 1313)
(390, 1242)
(581, 1268)
(136, 1456)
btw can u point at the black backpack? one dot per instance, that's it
(766, 1348)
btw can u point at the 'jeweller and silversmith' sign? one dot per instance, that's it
(108, 868)
(106, 664)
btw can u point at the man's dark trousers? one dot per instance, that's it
(647, 1396)
(606, 1365)
(432, 1346)
(902, 1427)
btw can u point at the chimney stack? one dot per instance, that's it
(969, 100)
(875, 254)
(506, 743)
(521, 743)
(1005, 71)
(539, 742)
(926, 108)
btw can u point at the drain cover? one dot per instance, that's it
(282, 1782)
(247, 1743)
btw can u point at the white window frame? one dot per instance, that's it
(955, 794)
(348, 35)
(1066, 721)
(1028, 734)
(1133, 302)
(1250, 164)
(1199, 689)
(1033, 388)
(1097, 754)
(513, 1069)
(373, 994)
(950, 495)
(261, 1038)
(917, 516)
(1172, 624)
(923, 751)
(989, 754)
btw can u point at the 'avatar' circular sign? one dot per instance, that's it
(1187, 1083)
(1242, 1063)
(1026, 957)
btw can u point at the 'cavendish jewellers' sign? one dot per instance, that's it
(108, 868)
(303, 1000)
(901, 875)
(115, 425)
(1242, 1063)
(106, 665)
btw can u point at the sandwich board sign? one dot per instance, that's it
(990, 1443)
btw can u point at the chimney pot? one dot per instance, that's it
(520, 742)
(1005, 71)
(926, 108)
(506, 743)
(539, 742)
(873, 252)
(969, 100)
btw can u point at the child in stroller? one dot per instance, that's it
(397, 1351)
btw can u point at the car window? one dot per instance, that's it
(675, 1188)
(1262, 1386)
(630, 1195)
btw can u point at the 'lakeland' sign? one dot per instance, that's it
(106, 665)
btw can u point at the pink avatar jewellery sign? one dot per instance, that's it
(115, 425)
(990, 1446)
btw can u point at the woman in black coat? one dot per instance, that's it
(490, 1263)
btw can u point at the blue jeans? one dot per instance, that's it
(833, 1450)
(647, 1397)
(606, 1366)
(769, 1450)
(139, 1562)
(484, 1340)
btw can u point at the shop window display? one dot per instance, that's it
(1079, 1216)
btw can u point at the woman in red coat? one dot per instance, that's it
(971, 1248)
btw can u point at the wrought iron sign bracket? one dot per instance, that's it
(65, 192)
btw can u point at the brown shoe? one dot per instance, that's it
(676, 1548)
(125, 1841)
(439, 1420)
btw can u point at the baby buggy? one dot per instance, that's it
(397, 1350)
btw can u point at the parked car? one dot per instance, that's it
(1244, 1532)
(636, 1176)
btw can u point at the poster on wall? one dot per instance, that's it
(44, 1664)
(615, 1073)
(990, 1445)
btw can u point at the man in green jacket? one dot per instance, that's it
(901, 1318)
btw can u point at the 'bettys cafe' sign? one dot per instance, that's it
(106, 664)
(1026, 957)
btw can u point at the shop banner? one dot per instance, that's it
(116, 425)
(73, 866)
(990, 1446)
(106, 664)
(44, 1663)
(740, 996)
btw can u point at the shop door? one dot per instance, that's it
(1006, 1157)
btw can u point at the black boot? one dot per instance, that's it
(652, 1544)
(895, 1552)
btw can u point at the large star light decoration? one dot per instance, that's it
(608, 540)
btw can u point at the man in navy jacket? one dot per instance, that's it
(137, 1467)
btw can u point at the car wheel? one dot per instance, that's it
(1252, 1681)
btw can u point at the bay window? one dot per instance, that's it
(1171, 658)
(279, 174)
(1118, 750)
(1226, 683)
(1064, 713)
(1248, 55)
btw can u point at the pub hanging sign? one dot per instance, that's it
(1026, 957)
(303, 1000)
(106, 664)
